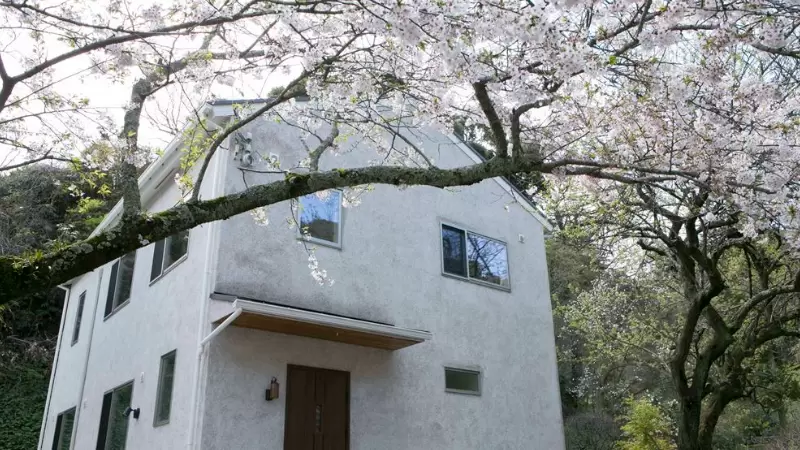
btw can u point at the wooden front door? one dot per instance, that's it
(317, 409)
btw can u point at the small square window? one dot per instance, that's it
(64, 426)
(462, 381)
(120, 282)
(474, 256)
(167, 252)
(166, 378)
(320, 217)
(76, 330)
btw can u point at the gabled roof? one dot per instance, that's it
(220, 109)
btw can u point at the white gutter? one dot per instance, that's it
(67, 291)
(79, 405)
(346, 323)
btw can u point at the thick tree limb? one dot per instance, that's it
(23, 276)
(516, 128)
(495, 124)
(756, 300)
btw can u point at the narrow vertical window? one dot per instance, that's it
(166, 379)
(120, 283)
(64, 426)
(453, 251)
(76, 330)
(113, 432)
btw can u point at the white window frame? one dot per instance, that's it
(76, 326)
(464, 369)
(123, 304)
(108, 419)
(166, 270)
(159, 386)
(59, 431)
(312, 239)
(466, 277)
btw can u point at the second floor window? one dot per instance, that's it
(320, 217)
(473, 256)
(169, 251)
(76, 331)
(121, 282)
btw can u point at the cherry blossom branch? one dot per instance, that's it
(46, 157)
(326, 143)
(516, 115)
(495, 124)
(10, 81)
(289, 92)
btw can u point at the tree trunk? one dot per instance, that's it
(689, 424)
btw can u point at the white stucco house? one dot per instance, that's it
(437, 333)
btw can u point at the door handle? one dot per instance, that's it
(318, 419)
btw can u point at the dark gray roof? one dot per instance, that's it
(243, 101)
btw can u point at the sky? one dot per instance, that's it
(110, 96)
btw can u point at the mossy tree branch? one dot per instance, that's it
(21, 276)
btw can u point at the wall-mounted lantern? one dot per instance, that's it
(273, 390)
(243, 148)
(130, 410)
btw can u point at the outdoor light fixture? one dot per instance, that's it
(130, 410)
(273, 390)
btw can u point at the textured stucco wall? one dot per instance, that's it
(389, 270)
(128, 344)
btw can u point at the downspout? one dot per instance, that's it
(67, 291)
(225, 323)
(196, 381)
(208, 280)
(79, 405)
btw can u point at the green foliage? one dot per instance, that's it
(277, 90)
(196, 141)
(573, 268)
(645, 428)
(591, 431)
(24, 377)
(742, 425)
(41, 207)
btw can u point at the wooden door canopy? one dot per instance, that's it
(300, 322)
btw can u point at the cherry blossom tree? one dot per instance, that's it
(691, 105)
